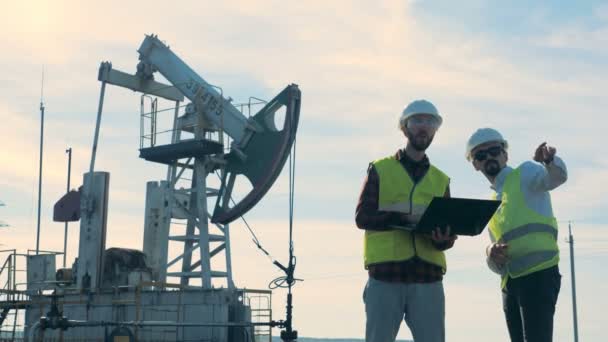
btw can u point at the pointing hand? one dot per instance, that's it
(544, 153)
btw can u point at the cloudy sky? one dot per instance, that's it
(533, 71)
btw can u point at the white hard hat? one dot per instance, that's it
(419, 107)
(482, 136)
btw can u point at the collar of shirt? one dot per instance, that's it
(500, 179)
(404, 158)
(415, 168)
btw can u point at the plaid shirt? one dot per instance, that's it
(414, 270)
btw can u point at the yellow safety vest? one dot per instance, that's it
(531, 237)
(397, 192)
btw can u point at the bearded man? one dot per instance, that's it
(405, 269)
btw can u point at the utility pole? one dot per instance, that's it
(65, 237)
(574, 316)
(40, 163)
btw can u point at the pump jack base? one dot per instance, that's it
(289, 336)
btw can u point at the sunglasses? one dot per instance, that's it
(493, 151)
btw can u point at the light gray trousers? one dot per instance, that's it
(422, 306)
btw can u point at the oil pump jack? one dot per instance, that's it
(211, 138)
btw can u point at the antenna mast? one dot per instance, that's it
(40, 161)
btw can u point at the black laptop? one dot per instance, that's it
(464, 216)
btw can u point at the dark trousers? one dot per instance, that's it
(529, 305)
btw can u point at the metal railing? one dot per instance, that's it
(11, 300)
(260, 303)
(149, 127)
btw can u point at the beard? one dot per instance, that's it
(491, 168)
(421, 141)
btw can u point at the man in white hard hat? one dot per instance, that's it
(523, 232)
(405, 268)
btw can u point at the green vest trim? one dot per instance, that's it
(397, 192)
(532, 238)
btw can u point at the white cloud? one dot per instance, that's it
(576, 36)
(577, 201)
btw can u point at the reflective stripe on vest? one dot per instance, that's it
(403, 207)
(520, 265)
(397, 192)
(527, 229)
(532, 238)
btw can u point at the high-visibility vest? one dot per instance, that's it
(530, 236)
(398, 192)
